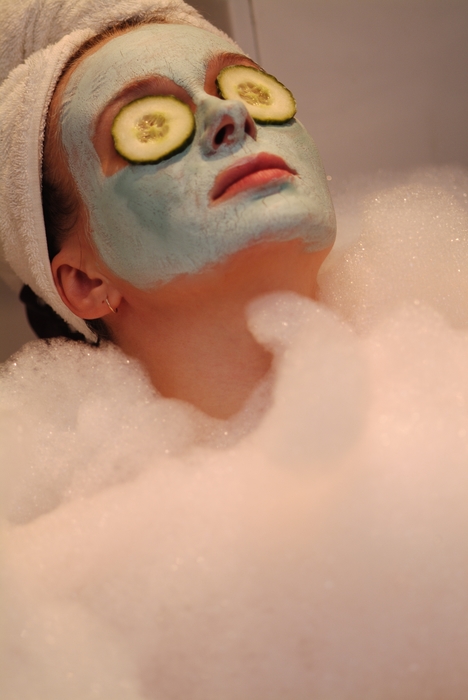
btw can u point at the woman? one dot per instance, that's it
(167, 254)
(317, 558)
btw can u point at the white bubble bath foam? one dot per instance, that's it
(314, 547)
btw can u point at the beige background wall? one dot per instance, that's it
(380, 84)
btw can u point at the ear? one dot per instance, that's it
(81, 283)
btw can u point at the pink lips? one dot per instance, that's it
(249, 173)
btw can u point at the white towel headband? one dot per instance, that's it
(38, 38)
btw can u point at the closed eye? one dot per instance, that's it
(111, 160)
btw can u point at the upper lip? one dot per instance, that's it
(247, 166)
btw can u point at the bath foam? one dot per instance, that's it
(412, 247)
(322, 553)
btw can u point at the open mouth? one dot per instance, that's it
(249, 173)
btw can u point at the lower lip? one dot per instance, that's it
(261, 178)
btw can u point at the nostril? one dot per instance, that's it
(223, 134)
(250, 129)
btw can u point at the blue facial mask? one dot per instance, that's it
(153, 222)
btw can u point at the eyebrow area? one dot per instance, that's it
(111, 161)
(164, 86)
(167, 86)
(218, 62)
(153, 84)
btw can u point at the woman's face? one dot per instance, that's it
(151, 222)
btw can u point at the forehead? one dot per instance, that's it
(178, 52)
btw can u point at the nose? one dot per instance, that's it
(226, 124)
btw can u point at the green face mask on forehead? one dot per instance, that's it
(151, 222)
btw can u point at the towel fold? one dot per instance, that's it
(38, 37)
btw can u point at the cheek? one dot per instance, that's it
(147, 223)
(296, 146)
(150, 199)
(173, 199)
(137, 200)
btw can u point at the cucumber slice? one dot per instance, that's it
(151, 129)
(266, 99)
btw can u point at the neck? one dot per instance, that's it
(192, 335)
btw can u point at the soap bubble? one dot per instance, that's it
(314, 546)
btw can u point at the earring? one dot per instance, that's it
(114, 311)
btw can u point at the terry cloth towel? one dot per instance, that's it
(37, 39)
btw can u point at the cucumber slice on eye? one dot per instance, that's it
(152, 129)
(266, 99)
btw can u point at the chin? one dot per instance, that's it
(285, 216)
